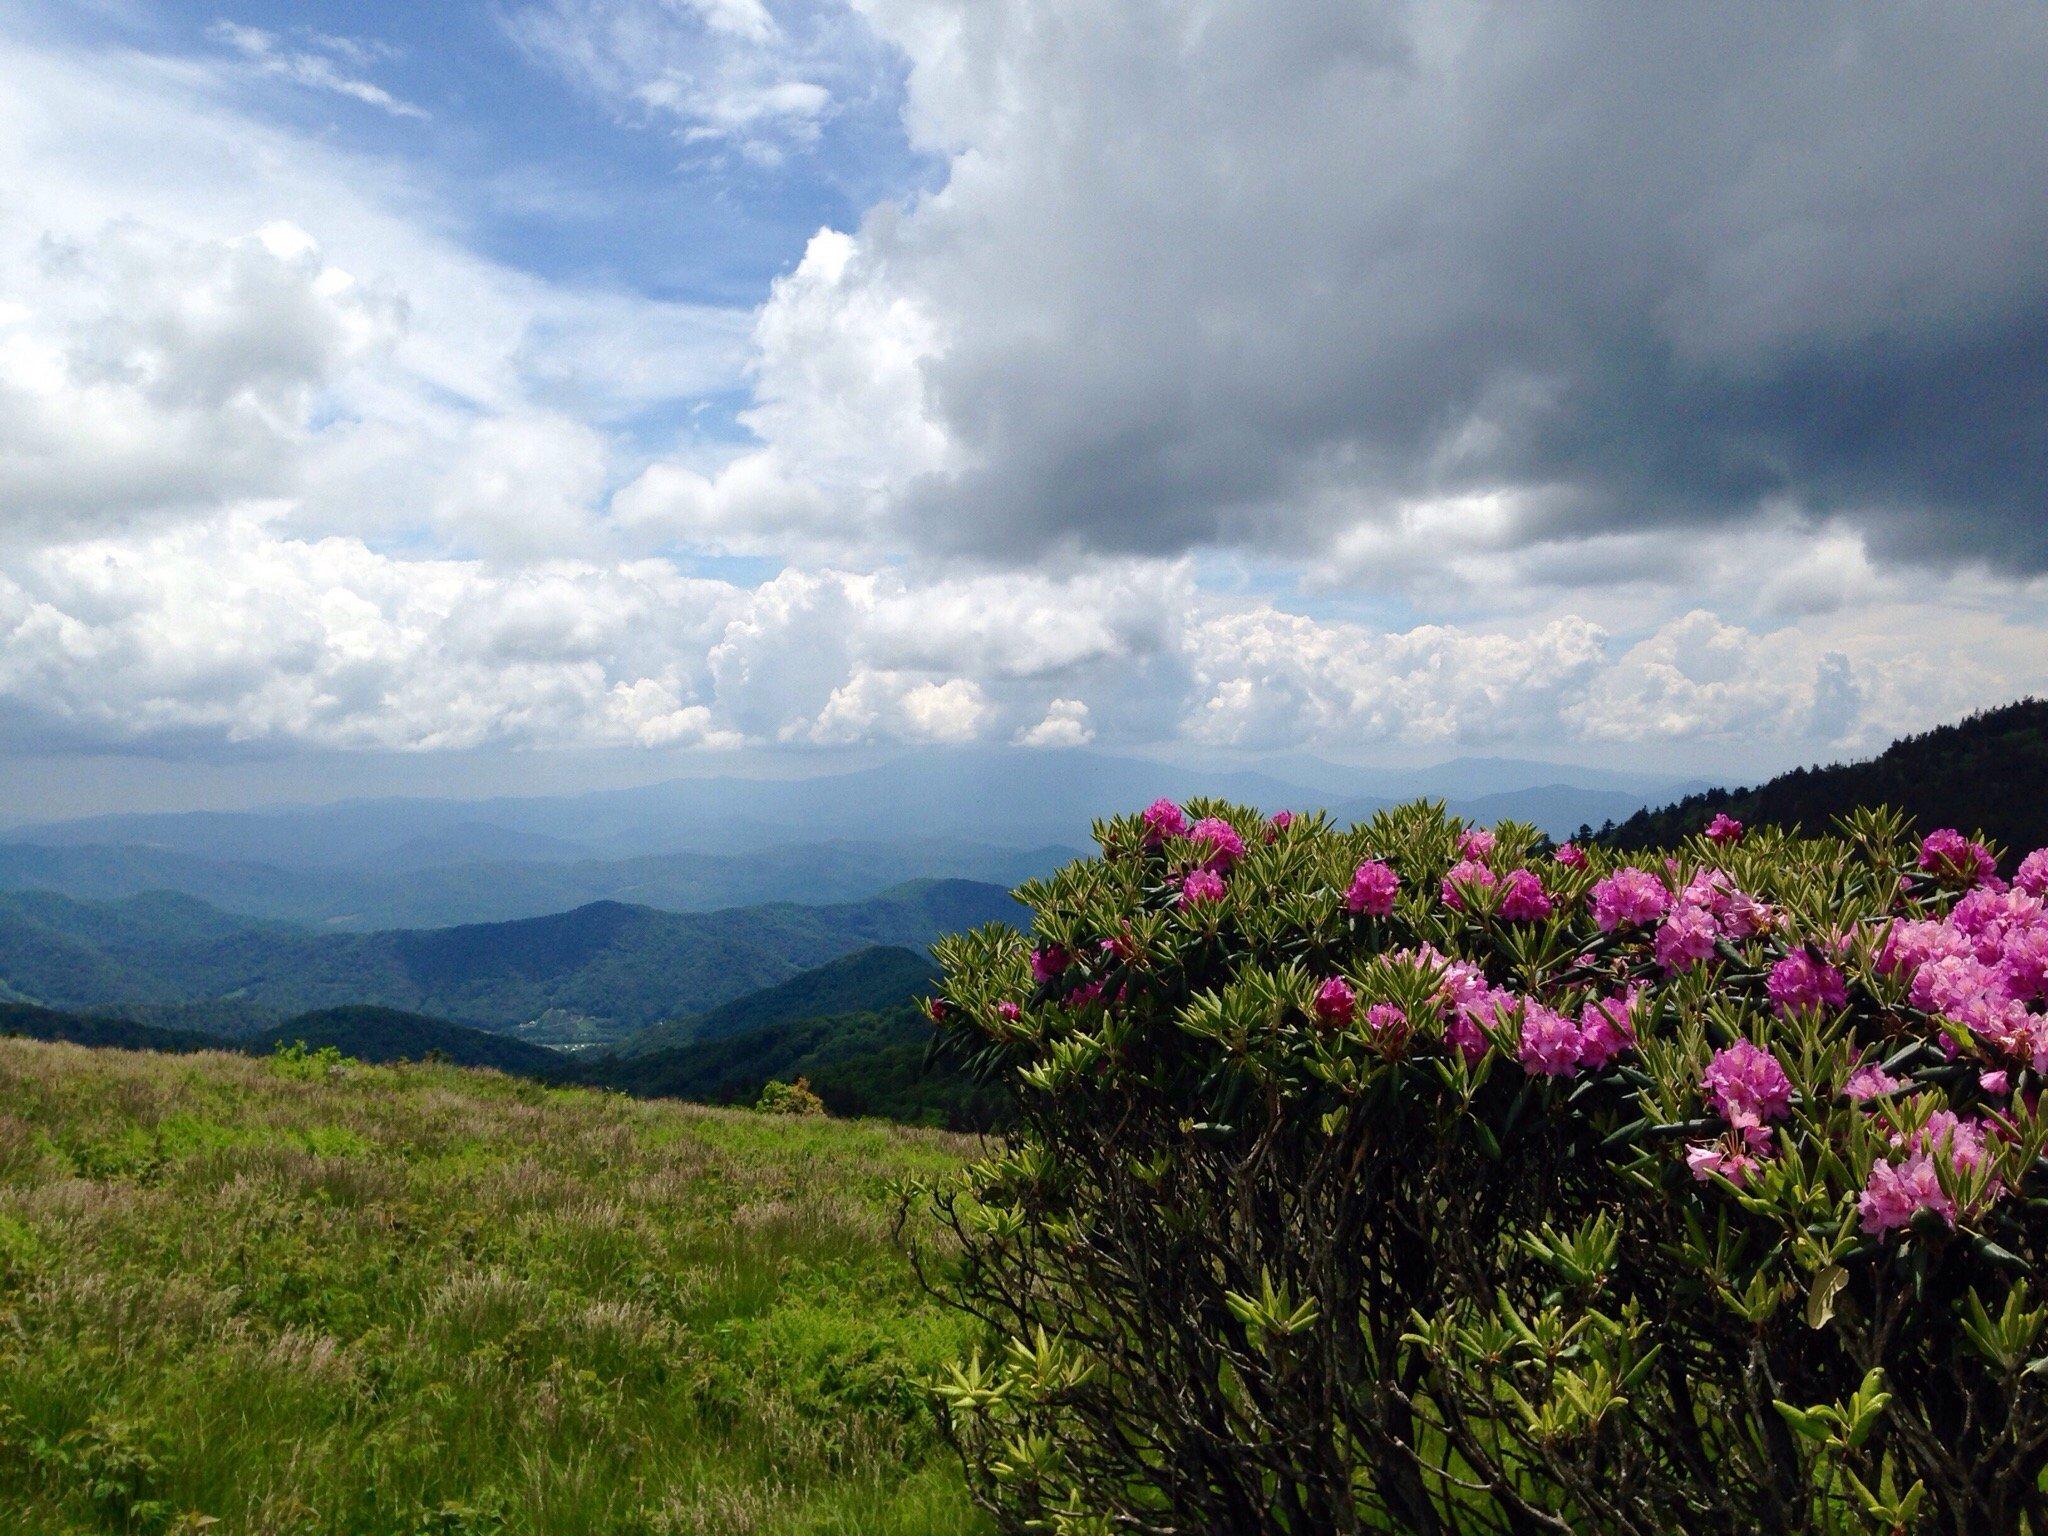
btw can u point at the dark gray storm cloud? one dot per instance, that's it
(1247, 273)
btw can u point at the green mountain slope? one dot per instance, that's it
(387, 1034)
(407, 1300)
(859, 1064)
(865, 981)
(28, 1022)
(1988, 773)
(599, 971)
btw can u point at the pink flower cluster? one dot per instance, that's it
(1201, 885)
(1749, 1089)
(1476, 843)
(1466, 874)
(1163, 819)
(1218, 839)
(1555, 1045)
(1523, 899)
(1984, 966)
(1373, 887)
(1627, 898)
(1948, 855)
(1724, 829)
(1800, 982)
(1710, 908)
(1897, 1192)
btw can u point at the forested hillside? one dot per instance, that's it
(865, 981)
(1988, 773)
(598, 972)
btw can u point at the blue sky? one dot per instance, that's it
(547, 173)
(388, 390)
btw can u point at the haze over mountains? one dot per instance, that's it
(699, 844)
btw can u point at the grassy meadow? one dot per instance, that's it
(288, 1295)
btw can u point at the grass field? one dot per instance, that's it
(288, 1296)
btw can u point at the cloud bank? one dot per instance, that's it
(1418, 378)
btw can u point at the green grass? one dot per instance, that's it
(294, 1297)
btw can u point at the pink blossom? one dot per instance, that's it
(1221, 839)
(1747, 1086)
(1570, 855)
(1867, 1083)
(1686, 937)
(1083, 995)
(1946, 1131)
(1469, 873)
(1476, 1007)
(1373, 885)
(1336, 1003)
(1738, 914)
(1475, 843)
(2032, 875)
(1201, 885)
(1994, 1082)
(1992, 918)
(1975, 995)
(1728, 1157)
(1465, 1035)
(1047, 961)
(1009, 1011)
(1910, 945)
(1799, 981)
(1607, 1027)
(1163, 819)
(1628, 896)
(2023, 958)
(1385, 1016)
(1551, 1043)
(1281, 821)
(1897, 1192)
(1724, 829)
(1948, 855)
(1523, 899)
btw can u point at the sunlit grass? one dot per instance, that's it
(422, 1300)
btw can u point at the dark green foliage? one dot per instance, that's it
(29, 1022)
(1988, 773)
(366, 1033)
(884, 976)
(858, 1064)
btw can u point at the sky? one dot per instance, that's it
(526, 392)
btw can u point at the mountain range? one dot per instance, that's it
(597, 972)
(867, 1054)
(686, 845)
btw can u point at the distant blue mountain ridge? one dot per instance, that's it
(697, 844)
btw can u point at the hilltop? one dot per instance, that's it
(283, 1295)
(1987, 773)
(868, 979)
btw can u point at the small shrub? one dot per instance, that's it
(298, 1060)
(1421, 1177)
(779, 1098)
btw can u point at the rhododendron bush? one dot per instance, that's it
(1422, 1177)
